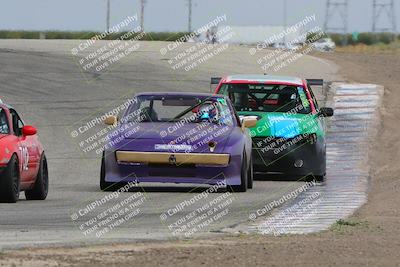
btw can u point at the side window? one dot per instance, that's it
(17, 123)
(313, 97)
(4, 129)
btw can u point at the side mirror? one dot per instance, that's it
(326, 112)
(28, 130)
(111, 120)
(249, 122)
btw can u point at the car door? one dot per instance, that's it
(28, 150)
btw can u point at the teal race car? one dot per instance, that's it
(289, 137)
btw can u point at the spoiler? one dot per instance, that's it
(317, 82)
(215, 80)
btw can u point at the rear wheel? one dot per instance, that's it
(9, 183)
(106, 186)
(320, 178)
(41, 187)
(243, 177)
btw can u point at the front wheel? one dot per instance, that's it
(9, 183)
(41, 186)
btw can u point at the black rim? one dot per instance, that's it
(15, 180)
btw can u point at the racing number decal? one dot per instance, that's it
(25, 158)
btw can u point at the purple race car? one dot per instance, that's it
(178, 138)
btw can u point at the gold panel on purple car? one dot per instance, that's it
(172, 158)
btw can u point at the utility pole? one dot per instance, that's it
(332, 7)
(108, 16)
(382, 8)
(142, 4)
(190, 16)
(284, 20)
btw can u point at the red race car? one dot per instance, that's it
(23, 165)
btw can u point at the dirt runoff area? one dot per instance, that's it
(370, 237)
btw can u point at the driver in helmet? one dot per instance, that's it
(208, 112)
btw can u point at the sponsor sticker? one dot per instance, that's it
(172, 147)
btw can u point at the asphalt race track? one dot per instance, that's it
(43, 81)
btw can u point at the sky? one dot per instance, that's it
(172, 15)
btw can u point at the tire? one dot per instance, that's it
(41, 186)
(10, 182)
(250, 174)
(320, 178)
(243, 178)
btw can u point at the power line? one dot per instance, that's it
(284, 19)
(333, 7)
(142, 4)
(108, 16)
(380, 8)
(190, 16)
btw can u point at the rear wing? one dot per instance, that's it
(214, 82)
(320, 83)
(316, 82)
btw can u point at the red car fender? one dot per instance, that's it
(8, 147)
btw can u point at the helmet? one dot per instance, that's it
(207, 112)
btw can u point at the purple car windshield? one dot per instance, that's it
(178, 108)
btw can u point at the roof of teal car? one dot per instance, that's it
(263, 79)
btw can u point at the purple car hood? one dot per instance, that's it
(172, 137)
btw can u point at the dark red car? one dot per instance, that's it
(23, 165)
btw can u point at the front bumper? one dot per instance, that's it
(291, 158)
